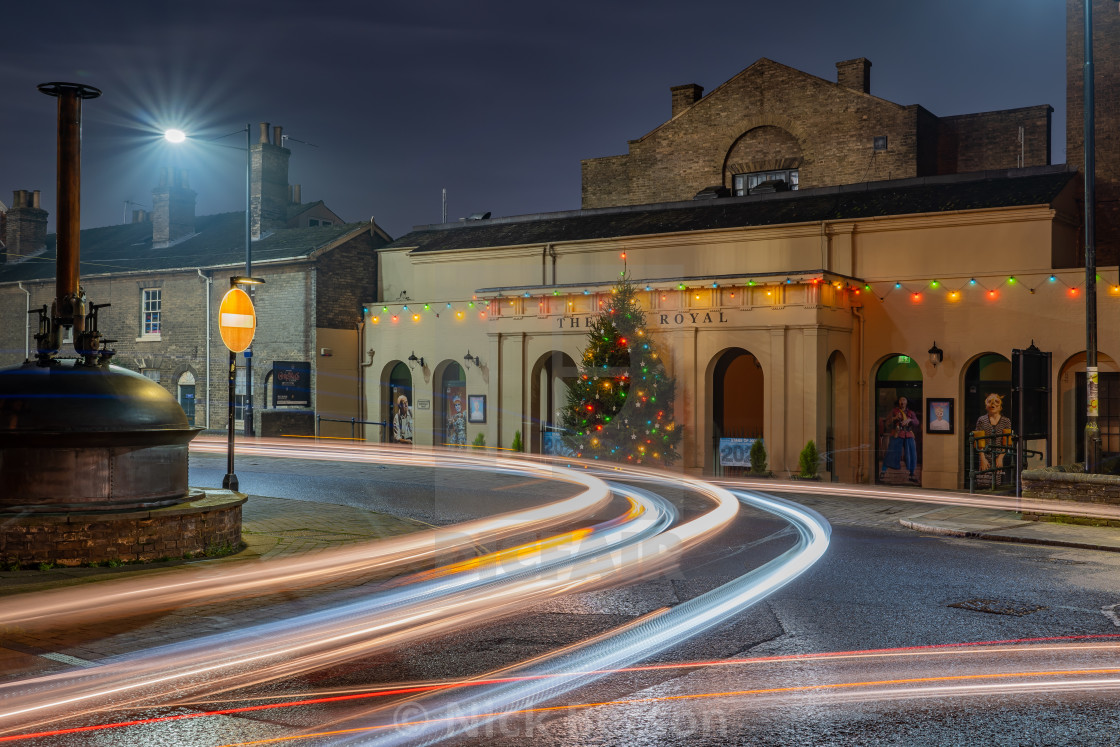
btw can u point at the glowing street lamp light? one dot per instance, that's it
(178, 136)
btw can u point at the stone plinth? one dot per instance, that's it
(209, 522)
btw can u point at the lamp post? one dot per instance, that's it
(178, 136)
(1092, 428)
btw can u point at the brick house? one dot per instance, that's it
(165, 273)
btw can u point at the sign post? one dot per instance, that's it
(237, 323)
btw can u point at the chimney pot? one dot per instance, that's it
(35, 199)
(264, 132)
(296, 194)
(855, 74)
(278, 136)
(685, 96)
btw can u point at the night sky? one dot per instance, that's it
(495, 101)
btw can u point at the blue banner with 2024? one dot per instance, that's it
(735, 452)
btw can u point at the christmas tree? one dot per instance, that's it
(621, 406)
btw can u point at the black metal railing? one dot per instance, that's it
(1005, 456)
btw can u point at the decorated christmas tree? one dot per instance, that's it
(620, 407)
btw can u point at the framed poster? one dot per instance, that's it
(939, 415)
(476, 408)
(291, 384)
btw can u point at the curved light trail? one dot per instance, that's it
(113, 599)
(1059, 647)
(498, 585)
(642, 541)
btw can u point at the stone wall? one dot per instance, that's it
(1069, 486)
(287, 422)
(209, 524)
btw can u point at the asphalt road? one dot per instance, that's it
(879, 586)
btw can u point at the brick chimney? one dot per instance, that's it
(25, 226)
(268, 182)
(685, 96)
(172, 208)
(855, 74)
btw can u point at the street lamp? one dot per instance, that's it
(178, 136)
(237, 322)
(1092, 428)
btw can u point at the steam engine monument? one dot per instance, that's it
(93, 457)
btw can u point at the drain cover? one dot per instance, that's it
(998, 607)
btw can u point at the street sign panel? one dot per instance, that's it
(237, 320)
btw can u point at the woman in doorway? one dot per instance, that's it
(992, 423)
(901, 447)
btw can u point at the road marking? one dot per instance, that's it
(1111, 613)
(67, 659)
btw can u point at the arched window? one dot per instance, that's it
(186, 392)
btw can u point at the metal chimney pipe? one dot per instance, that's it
(69, 182)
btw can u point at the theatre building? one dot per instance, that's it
(806, 254)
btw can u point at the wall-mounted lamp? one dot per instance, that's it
(413, 359)
(936, 354)
(472, 359)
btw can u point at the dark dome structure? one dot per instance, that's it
(75, 437)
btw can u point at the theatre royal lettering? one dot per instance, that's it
(672, 319)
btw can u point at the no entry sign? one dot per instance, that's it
(237, 320)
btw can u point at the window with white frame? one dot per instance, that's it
(151, 307)
(742, 184)
(151, 373)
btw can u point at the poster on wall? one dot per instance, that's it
(899, 427)
(401, 399)
(291, 384)
(455, 413)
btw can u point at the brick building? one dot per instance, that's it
(772, 123)
(806, 254)
(1106, 67)
(165, 273)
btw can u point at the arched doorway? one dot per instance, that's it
(451, 409)
(1072, 408)
(898, 438)
(738, 395)
(186, 391)
(988, 375)
(551, 376)
(837, 438)
(398, 404)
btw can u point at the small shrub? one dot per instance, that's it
(94, 564)
(46, 566)
(113, 563)
(479, 441)
(14, 567)
(187, 556)
(517, 444)
(164, 559)
(808, 461)
(758, 457)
